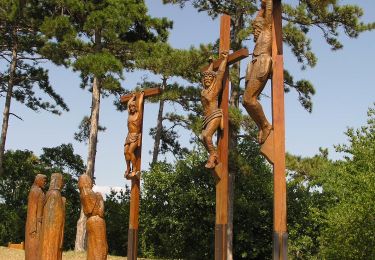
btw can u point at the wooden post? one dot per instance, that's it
(280, 238)
(221, 170)
(135, 186)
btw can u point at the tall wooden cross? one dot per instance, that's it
(221, 170)
(135, 183)
(274, 147)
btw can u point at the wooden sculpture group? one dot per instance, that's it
(45, 220)
(44, 231)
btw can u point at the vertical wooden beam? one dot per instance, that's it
(278, 121)
(221, 221)
(134, 204)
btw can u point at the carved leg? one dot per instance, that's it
(133, 158)
(207, 140)
(127, 159)
(250, 101)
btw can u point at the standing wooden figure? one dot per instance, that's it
(133, 139)
(213, 115)
(93, 207)
(52, 236)
(35, 204)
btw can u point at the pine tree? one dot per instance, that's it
(19, 45)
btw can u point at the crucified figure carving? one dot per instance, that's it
(212, 87)
(259, 69)
(133, 139)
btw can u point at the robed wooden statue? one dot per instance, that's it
(52, 235)
(35, 204)
(93, 207)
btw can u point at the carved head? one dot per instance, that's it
(40, 180)
(84, 181)
(132, 106)
(258, 25)
(208, 77)
(57, 182)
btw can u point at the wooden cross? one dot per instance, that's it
(274, 147)
(135, 183)
(221, 170)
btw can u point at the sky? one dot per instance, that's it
(343, 81)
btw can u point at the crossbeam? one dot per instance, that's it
(149, 92)
(232, 58)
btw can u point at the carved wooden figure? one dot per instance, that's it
(135, 179)
(133, 139)
(93, 207)
(35, 204)
(213, 115)
(259, 69)
(52, 235)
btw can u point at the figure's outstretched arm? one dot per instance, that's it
(131, 100)
(222, 68)
(140, 102)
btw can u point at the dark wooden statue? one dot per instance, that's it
(35, 204)
(52, 235)
(93, 207)
(213, 115)
(259, 69)
(133, 139)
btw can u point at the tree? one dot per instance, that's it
(350, 227)
(101, 39)
(20, 41)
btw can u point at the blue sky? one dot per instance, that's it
(343, 81)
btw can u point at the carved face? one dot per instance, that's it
(57, 181)
(132, 108)
(41, 180)
(207, 80)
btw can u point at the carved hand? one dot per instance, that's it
(224, 54)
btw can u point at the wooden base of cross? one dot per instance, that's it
(135, 185)
(274, 147)
(221, 170)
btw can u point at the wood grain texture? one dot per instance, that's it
(222, 182)
(278, 118)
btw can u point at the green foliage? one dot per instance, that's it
(350, 226)
(20, 169)
(184, 227)
(117, 206)
(186, 193)
(20, 41)
(100, 38)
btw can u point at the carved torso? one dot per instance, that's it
(263, 44)
(134, 123)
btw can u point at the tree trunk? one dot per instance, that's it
(159, 126)
(80, 243)
(94, 122)
(8, 99)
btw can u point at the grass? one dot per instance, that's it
(16, 254)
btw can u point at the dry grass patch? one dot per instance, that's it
(16, 254)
